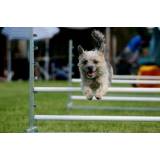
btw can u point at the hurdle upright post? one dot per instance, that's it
(31, 128)
(70, 50)
(9, 61)
(47, 58)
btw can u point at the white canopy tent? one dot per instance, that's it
(44, 32)
(26, 33)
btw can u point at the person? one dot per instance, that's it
(128, 59)
(153, 56)
(20, 61)
(132, 49)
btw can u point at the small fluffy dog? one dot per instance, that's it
(95, 71)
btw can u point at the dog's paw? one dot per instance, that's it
(89, 97)
(98, 97)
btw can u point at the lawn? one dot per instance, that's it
(14, 112)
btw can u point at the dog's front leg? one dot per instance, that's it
(88, 92)
(101, 91)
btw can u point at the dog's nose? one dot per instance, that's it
(90, 68)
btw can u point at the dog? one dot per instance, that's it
(95, 71)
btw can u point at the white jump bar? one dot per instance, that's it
(127, 81)
(96, 118)
(111, 89)
(57, 89)
(136, 77)
(109, 98)
(112, 108)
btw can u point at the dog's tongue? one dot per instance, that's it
(90, 74)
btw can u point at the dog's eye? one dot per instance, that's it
(84, 61)
(95, 61)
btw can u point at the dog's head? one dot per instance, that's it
(91, 63)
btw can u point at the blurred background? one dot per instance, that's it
(132, 50)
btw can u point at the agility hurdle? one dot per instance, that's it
(107, 98)
(111, 89)
(117, 79)
(36, 89)
(96, 118)
(136, 77)
(121, 81)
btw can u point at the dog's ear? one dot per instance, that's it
(80, 49)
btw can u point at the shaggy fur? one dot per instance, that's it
(95, 71)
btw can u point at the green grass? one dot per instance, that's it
(14, 112)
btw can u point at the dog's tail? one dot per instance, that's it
(99, 39)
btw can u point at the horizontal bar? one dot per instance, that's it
(114, 108)
(135, 77)
(110, 98)
(137, 81)
(96, 118)
(57, 89)
(111, 89)
(127, 81)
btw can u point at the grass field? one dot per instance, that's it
(14, 112)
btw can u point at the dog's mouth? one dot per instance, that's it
(91, 74)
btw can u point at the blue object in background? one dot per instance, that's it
(134, 43)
